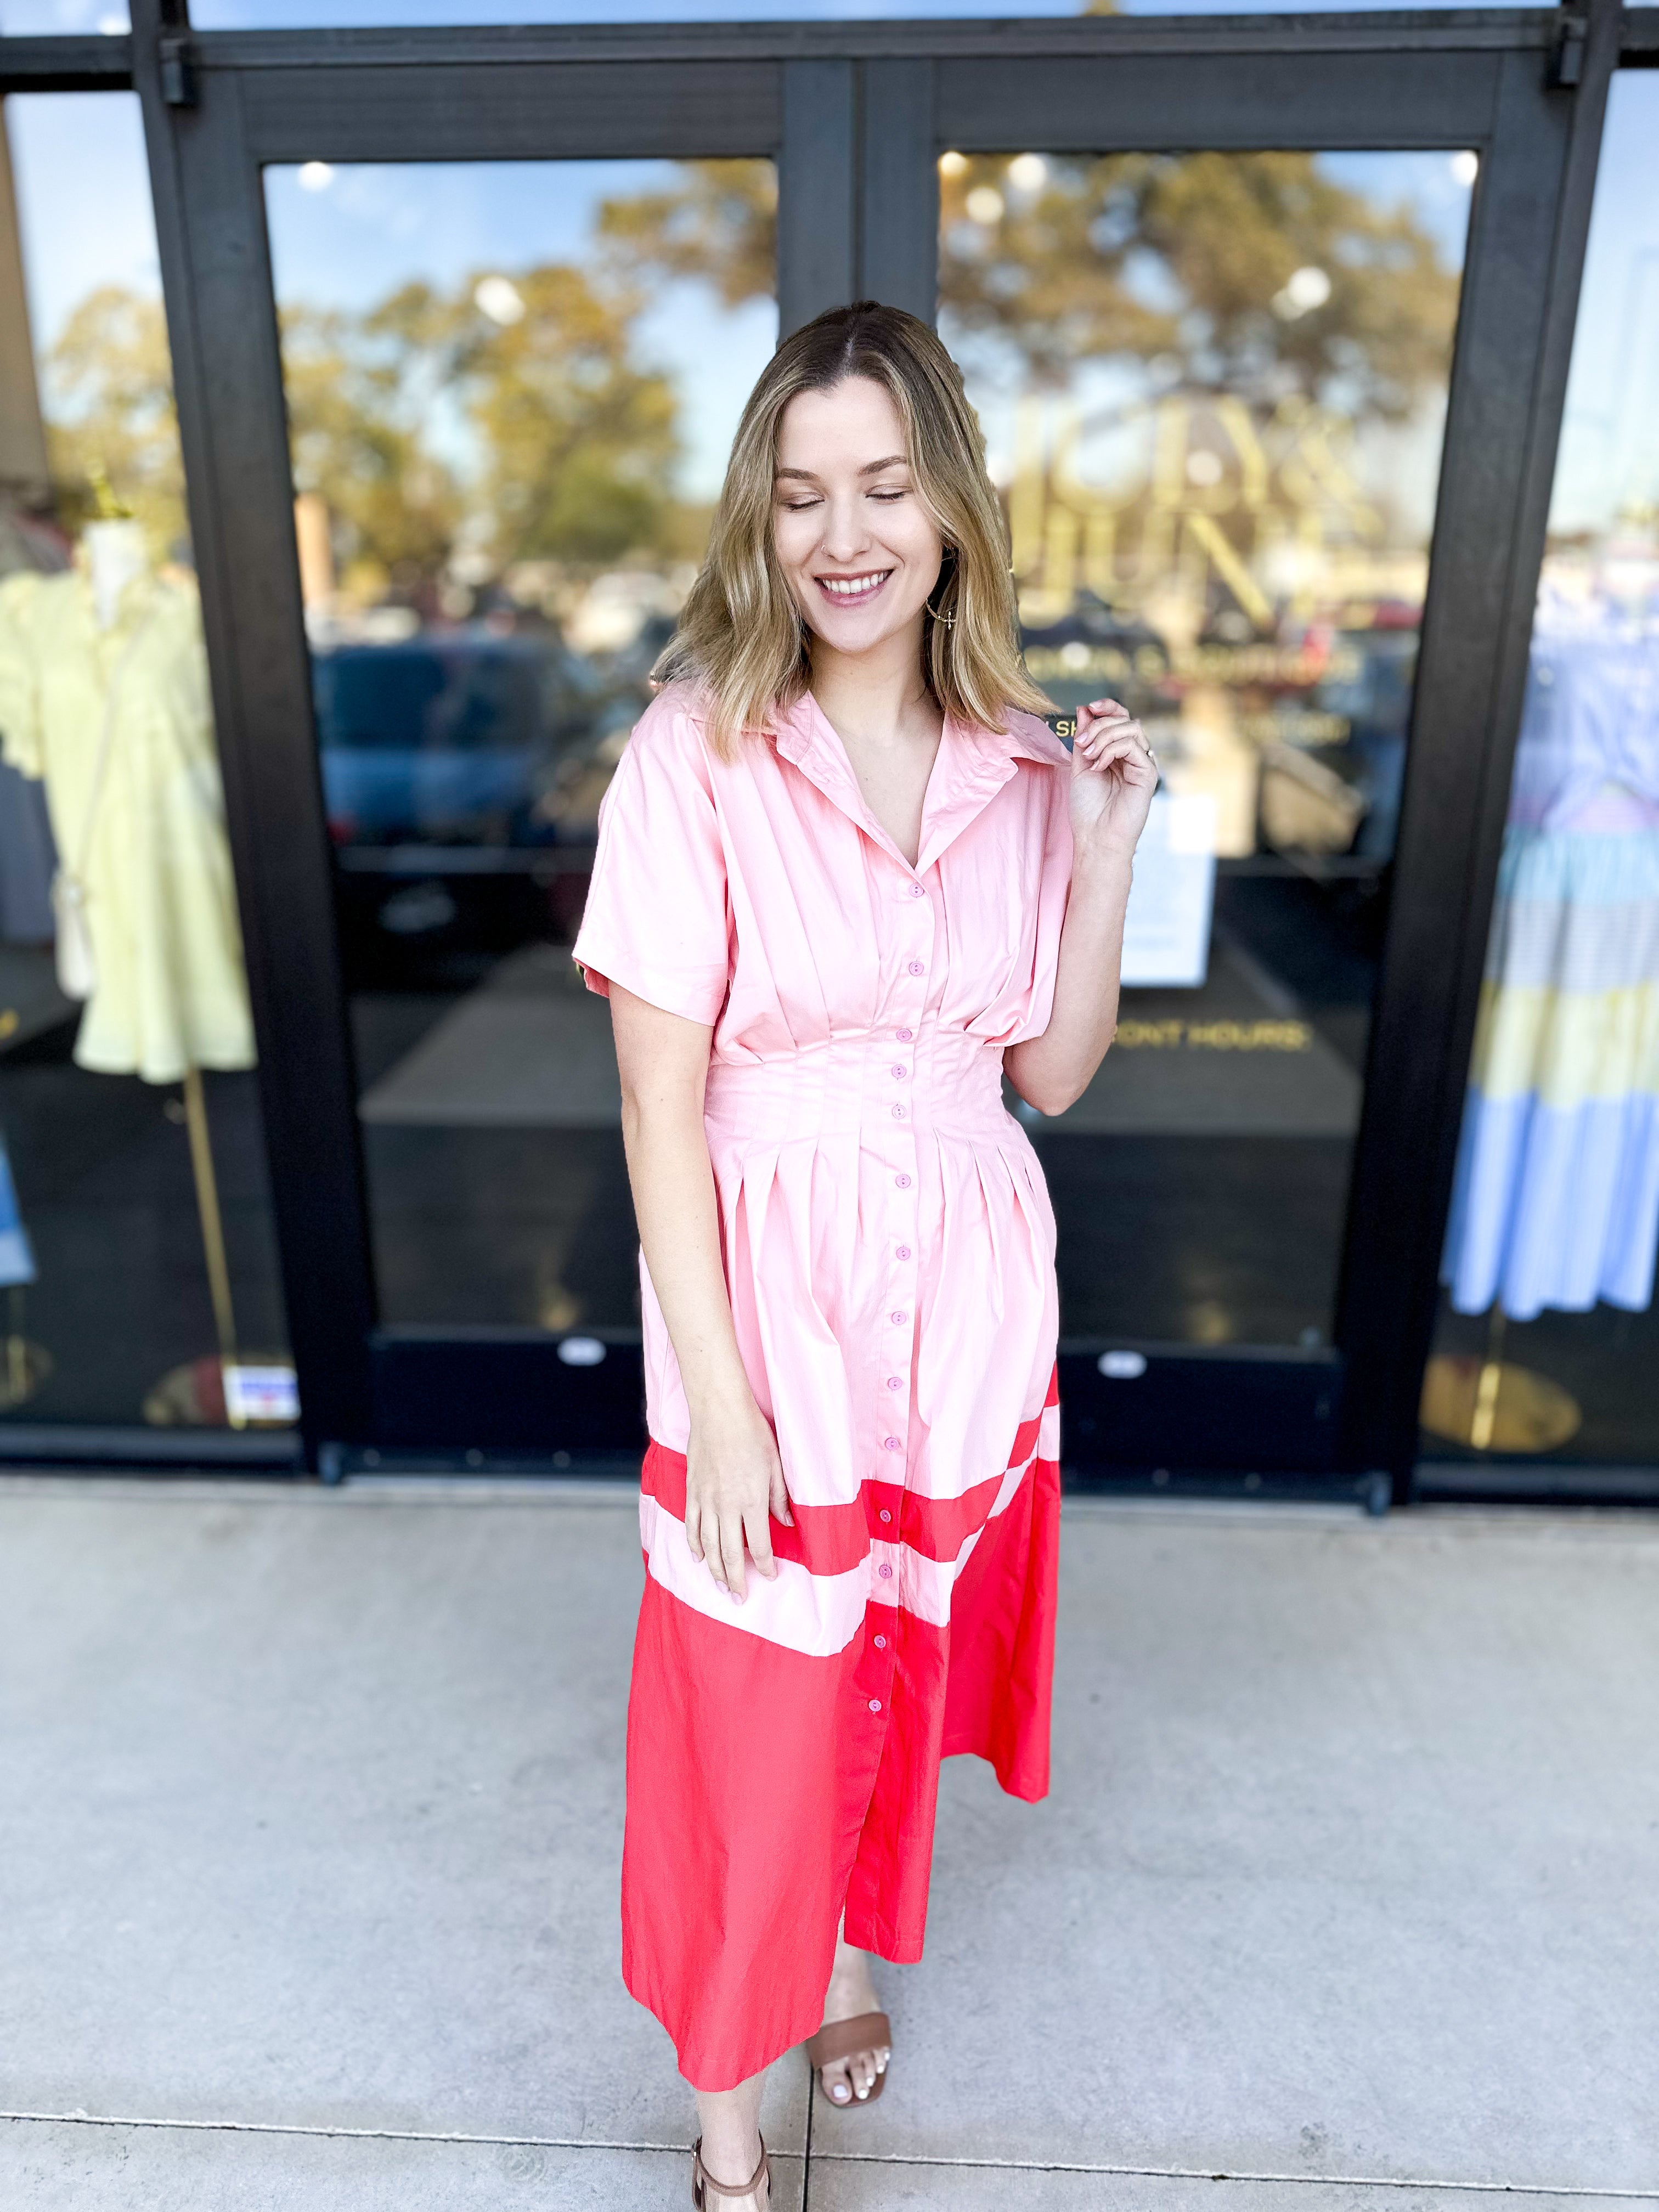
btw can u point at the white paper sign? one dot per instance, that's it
(1166, 931)
(261, 1394)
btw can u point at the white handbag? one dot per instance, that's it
(77, 971)
(77, 963)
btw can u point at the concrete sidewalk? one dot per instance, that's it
(1347, 1894)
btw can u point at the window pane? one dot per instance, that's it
(1212, 388)
(1548, 1341)
(137, 1274)
(41, 17)
(511, 388)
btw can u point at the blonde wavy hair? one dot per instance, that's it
(742, 643)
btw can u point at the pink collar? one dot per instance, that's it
(972, 766)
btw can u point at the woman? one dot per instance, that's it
(845, 881)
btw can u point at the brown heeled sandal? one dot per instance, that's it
(703, 2181)
(840, 2038)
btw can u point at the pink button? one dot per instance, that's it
(899, 1318)
(875, 1704)
(886, 1573)
(896, 1382)
(917, 891)
(881, 1643)
(900, 1113)
(903, 1182)
(903, 1036)
(885, 1515)
(915, 968)
(899, 1071)
(893, 1443)
(903, 1252)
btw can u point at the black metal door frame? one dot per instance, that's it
(855, 115)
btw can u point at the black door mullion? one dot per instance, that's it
(817, 191)
(898, 187)
(205, 161)
(222, 323)
(1253, 99)
(529, 110)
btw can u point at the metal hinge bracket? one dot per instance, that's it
(1567, 62)
(178, 63)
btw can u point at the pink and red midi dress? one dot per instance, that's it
(889, 1248)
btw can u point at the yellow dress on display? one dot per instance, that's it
(171, 990)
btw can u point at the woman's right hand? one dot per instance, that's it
(734, 1485)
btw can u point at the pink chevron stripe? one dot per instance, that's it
(833, 1540)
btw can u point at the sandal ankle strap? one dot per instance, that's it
(702, 2179)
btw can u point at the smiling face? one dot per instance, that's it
(858, 548)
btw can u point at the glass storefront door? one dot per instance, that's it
(1248, 418)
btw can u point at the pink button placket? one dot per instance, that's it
(900, 1071)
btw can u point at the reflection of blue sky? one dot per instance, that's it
(82, 200)
(84, 204)
(1610, 438)
(23, 16)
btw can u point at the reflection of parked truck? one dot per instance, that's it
(448, 738)
(450, 761)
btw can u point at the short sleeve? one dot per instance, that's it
(1053, 892)
(19, 688)
(657, 919)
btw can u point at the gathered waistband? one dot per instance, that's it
(854, 1085)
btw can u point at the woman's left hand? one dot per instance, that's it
(1114, 775)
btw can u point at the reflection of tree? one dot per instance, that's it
(1184, 257)
(574, 442)
(580, 441)
(108, 395)
(1250, 273)
(718, 222)
(355, 433)
(508, 418)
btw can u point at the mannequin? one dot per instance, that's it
(104, 696)
(1556, 1204)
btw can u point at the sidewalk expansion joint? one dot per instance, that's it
(1241, 2174)
(348, 2135)
(845, 2157)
